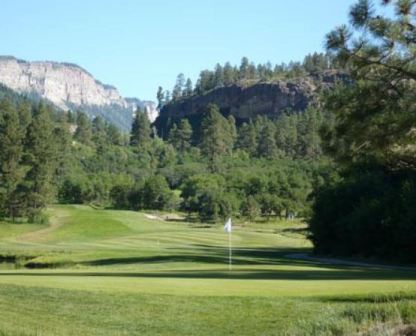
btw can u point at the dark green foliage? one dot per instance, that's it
(376, 116)
(140, 135)
(267, 141)
(157, 194)
(188, 91)
(250, 208)
(180, 136)
(216, 137)
(247, 138)
(160, 96)
(83, 132)
(206, 194)
(11, 152)
(371, 213)
(40, 161)
(70, 192)
(226, 74)
(179, 89)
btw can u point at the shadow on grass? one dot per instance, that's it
(380, 298)
(209, 255)
(241, 274)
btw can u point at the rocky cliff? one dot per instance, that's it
(68, 86)
(247, 102)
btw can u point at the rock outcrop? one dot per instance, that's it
(69, 86)
(247, 102)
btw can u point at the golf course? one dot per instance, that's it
(105, 272)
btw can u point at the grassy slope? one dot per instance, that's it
(122, 273)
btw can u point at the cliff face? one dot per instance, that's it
(68, 86)
(245, 103)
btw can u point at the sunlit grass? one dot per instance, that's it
(121, 272)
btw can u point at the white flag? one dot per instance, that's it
(228, 226)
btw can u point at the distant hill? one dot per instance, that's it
(246, 101)
(70, 87)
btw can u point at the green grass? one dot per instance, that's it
(122, 273)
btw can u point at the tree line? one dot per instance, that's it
(52, 156)
(246, 72)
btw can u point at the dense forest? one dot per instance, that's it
(263, 168)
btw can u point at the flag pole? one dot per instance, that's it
(230, 253)
(228, 227)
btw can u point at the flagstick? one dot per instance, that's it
(230, 260)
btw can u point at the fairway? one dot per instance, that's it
(103, 272)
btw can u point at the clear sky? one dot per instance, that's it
(137, 45)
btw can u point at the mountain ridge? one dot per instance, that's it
(71, 87)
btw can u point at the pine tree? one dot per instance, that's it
(375, 117)
(179, 87)
(188, 88)
(228, 74)
(267, 143)
(140, 135)
(113, 135)
(180, 136)
(215, 140)
(11, 151)
(244, 68)
(40, 160)
(83, 132)
(173, 137)
(99, 135)
(232, 131)
(160, 96)
(247, 138)
(168, 96)
(218, 76)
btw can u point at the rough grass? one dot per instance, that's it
(121, 273)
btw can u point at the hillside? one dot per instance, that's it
(70, 87)
(247, 100)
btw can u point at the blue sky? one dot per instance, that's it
(137, 45)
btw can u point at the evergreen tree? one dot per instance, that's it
(113, 135)
(205, 82)
(83, 132)
(267, 143)
(228, 74)
(25, 115)
(218, 76)
(247, 138)
(215, 137)
(11, 151)
(232, 130)
(244, 68)
(40, 160)
(160, 96)
(180, 137)
(376, 116)
(99, 135)
(140, 135)
(179, 87)
(168, 96)
(188, 88)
